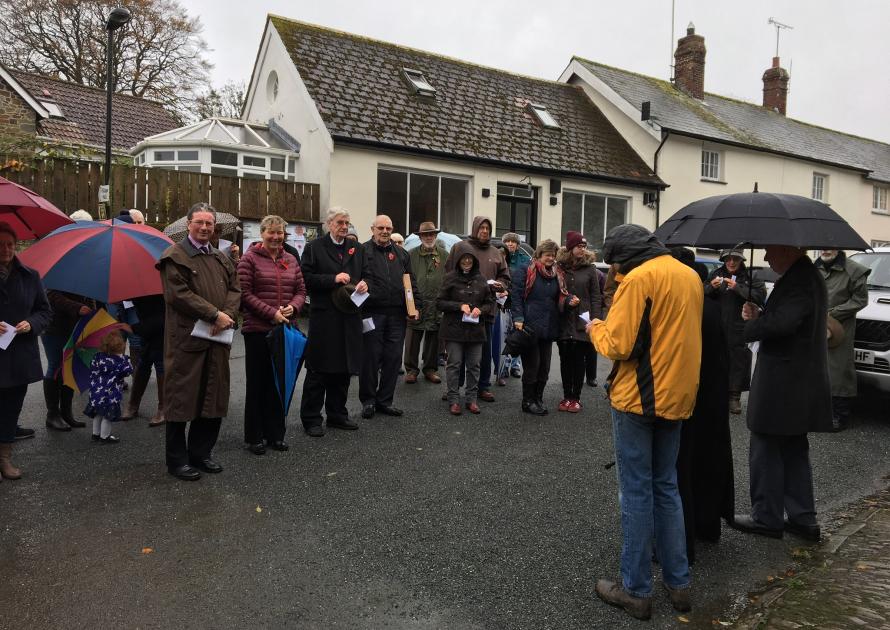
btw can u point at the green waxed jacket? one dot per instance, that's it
(429, 269)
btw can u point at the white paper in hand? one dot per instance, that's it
(368, 324)
(585, 316)
(359, 298)
(502, 300)
(7, 337)
(470, 319)
(203, 330)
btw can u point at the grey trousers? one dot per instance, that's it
(458, 353)
(781, 480)
(430, 358)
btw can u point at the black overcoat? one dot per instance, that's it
(335, 337)
(22, 298)
(459, 289)
(790, 391)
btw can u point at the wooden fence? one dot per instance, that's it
(162, 195)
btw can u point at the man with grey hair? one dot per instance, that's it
(137, 216)
(333, 267)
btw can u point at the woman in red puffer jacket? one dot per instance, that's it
(272, 292)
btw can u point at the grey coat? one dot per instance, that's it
(22, 298)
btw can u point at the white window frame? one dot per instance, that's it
(544, 116)
(711, 165)
(419, 82)
(881, 199)
(415, 171)
(585, 193)
(819, 190)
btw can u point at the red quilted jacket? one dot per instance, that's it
(267, 284)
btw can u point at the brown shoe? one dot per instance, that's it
(615, 595)
(472, 407)
(455, 409)
(679, 598)
(486, 395)
(410, 378)
(432, 377)
(7, 470)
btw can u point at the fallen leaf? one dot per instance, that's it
(770, 578)
(683, 619)
(331, 474)
(863, 567)
(147, 550)
(419, 449)
(259, 509)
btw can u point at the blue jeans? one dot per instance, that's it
(53, 345)
(646, 453)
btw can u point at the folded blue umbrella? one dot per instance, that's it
(286, 345)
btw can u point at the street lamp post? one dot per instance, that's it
(116, 19)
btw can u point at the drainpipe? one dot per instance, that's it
(666, 133)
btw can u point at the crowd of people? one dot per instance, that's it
(678, 339)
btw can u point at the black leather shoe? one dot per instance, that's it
(389, 411)
(279, 445)
(807, 532)
(22, 433)
(207, 465)
(257, 449)
(56, 424)
(367, 413)
(185, 472)
(346, 424)
(316, 430)
(745, 523)
(109, 440)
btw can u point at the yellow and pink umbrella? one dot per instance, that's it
(82, 346)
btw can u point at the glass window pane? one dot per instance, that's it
(164, 156)
(453, 212)
(276, 164)
(226, 158)
(503, 220)
(250, 160)
(594, 220)
(231, 172)
(253, 176)
(188, 156)
(616, 214)
(523, 217)
(424, 204)
(571, 211)
(392, 196)
(291, 166)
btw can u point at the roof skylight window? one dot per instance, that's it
(53, 109)
(418, 82)
(544, 116)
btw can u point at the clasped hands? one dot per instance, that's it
(344, 278)
(472, 312)
(22, 327)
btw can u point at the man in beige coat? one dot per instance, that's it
(200, 283)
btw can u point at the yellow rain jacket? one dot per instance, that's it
(653, 333)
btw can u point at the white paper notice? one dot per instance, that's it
(470, 319)
(359, 298)
(204, 330)
(585, 316)
(7, 337)
(368, 324)
(127, 304)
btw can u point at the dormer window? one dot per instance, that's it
(53, 109)
(418, 82)
(544, 116)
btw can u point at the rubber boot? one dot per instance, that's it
(158, 419)
(7, 470)
(140, 382)
(66, 398)
(51, 396)
(539, 396)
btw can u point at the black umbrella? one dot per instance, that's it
(758, 219)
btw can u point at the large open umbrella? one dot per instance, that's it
(225, 222)
(286, 345)
(446, 238)
(83, 344)
(30, 215)
(108, 263)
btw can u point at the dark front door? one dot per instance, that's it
(517, 212)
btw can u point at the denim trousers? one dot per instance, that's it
(53, 345)
(646, 451)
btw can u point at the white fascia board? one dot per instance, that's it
(576, 68)
(25, 94)
(257, 64)
(216, 144)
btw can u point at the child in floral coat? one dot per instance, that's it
(109, 368)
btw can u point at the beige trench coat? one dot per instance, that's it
(196, 286)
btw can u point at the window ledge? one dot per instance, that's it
(885, 213)
(713, 181)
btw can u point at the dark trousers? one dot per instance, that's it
(263, 411)
(430, 358)
(572, 368)
(535, 363)
(781, 479)
(324, 390)
(381, 359)
(590, 362)
(11, 400)
(195, 444)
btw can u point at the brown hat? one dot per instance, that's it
(428, 227)
(835, 332)
(342, 300)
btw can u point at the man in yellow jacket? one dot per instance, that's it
(653, 334)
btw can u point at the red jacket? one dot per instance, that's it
(267, 284)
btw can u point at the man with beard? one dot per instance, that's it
(428, 265)
(847, 284)
(494, 269)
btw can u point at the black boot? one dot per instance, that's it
(539, 396)
(530, 402)
(51, 396)
(66, 398)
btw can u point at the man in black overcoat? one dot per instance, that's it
(790, 396)
(334, 349)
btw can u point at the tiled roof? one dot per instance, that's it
(729, 120)
(84, 110)
(477, 113)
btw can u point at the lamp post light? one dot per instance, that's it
(116, 19)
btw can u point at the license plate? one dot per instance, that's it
(864, 356)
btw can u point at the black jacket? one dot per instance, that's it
(539, 310)
(22, 298)
(790, 392)
(457, 289)
(385, 267)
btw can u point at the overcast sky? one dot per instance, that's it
(837, 52)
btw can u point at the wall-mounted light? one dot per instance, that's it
(486, 192)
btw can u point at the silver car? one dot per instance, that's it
(871, 347)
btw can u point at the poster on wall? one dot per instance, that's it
(298, 234)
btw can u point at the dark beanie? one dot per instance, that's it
(573, 239)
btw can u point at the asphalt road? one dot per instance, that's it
(427, 521)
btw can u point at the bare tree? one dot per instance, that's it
(159, 54)
(226, 102)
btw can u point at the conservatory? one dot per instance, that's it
(223, 146)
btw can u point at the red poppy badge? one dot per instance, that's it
(351, 251)
(391, 256)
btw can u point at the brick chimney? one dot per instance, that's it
(775, 87)
(689, 64)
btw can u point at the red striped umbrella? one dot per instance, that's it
(30, 215)
(109, 263)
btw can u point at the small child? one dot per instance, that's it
(109, 368)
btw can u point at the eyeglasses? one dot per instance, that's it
(383, 228)
(203, 223)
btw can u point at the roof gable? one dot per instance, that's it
(83, 109)
(733, 121)
(477, 113)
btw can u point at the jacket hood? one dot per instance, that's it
(631, 245)
(474, 233)
(838, 262)
(565, 259)
(473, 270)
